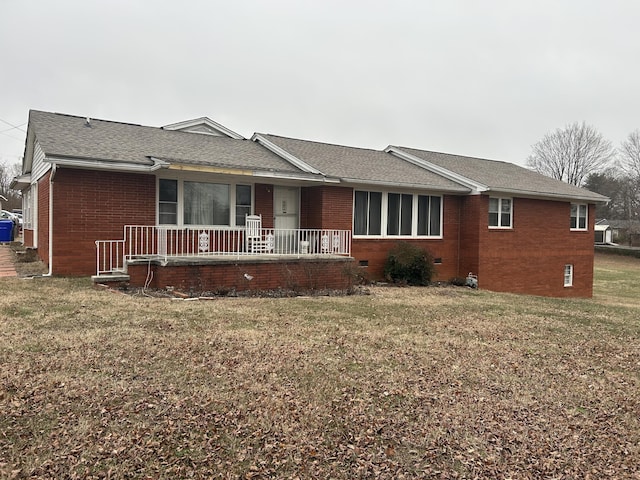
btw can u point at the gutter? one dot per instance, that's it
(296, 176)
(549, 196)
(420, 186)
(101, 164)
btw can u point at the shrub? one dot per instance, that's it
(458, 281)
(407, 263)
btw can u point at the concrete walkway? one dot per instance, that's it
(7, 269)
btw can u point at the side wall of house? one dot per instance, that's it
(530, 257)
(95, 205)
(43, 218)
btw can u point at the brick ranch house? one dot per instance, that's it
(196, 206)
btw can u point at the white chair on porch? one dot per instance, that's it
(256, 242)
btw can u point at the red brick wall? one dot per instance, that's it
(95, 205)
(264, 204)
(473, 220)
(328, 207)
(226, 276)
(27, 237)
(530, 257)
(43, 218)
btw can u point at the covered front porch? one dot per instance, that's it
(217, 258)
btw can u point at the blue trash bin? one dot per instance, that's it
(6, 230)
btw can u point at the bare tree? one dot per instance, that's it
(7, 173)
(629, 159)
(630, 155)
(571, 153)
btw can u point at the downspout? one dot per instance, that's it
(53, 174)
(459, 233)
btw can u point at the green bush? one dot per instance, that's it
(409, 264)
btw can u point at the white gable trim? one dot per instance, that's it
(475, 187)
(217, 129)
(282, 153)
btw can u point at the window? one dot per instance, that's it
(568, 275)
(399, 214)
(578, 216)
(201, 203)
(403, 214)
(168, 202)
(243, 203)
(206, 203)
(368, 213)
(500, 212)
(27, 208)
(429, 215)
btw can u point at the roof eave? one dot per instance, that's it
(601, 199)
(306, 177)
(20, 182)
(413, 186)
(104, 164)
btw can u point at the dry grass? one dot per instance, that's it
(404, 383)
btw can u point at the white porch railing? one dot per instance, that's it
(164, 242)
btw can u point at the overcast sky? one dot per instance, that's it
(479, 78)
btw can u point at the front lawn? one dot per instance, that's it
(403, 383)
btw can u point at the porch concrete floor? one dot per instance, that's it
(226, 259)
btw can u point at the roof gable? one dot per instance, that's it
(503, 177)
(204, 126)
(120, 144)
(354, 165)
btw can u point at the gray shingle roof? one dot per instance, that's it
(68, 136)
(352, 164)
(505, 177)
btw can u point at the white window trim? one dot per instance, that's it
(501, 227)
(568, 279)
(180, 203)
(414, 216)
(577, 228)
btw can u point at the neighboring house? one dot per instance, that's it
(626, 232)
(603, 232)
(169, 207)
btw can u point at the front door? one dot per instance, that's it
(286, 202)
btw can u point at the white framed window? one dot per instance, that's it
(27, 208)
(392, 214)
(429, 216)
(243, 203)
(185, 202)
(167, 201)
(500, 212)
(206, 203)
(568, 275)
(399, 213)
(579, 213)
(367, 215)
